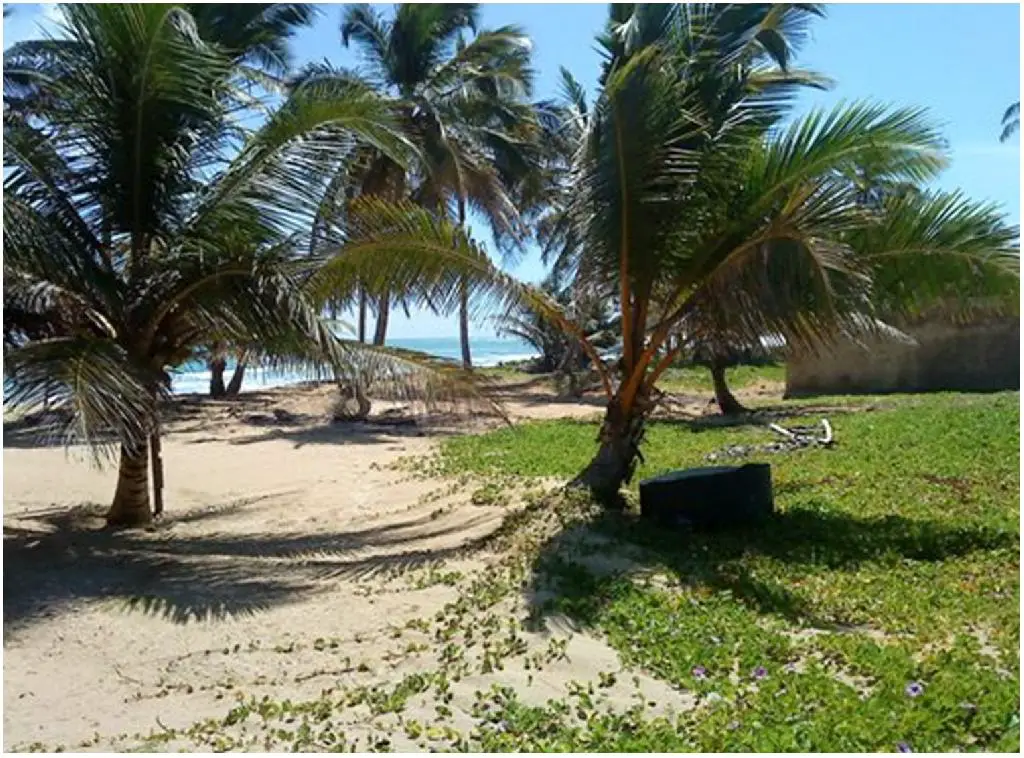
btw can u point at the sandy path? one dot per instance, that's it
(285, 565)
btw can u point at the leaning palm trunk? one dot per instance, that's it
(467, 357)
(613, 465)
(158, 472)
(131, 499)
(349, 394)
(727, 402)
(237, 377)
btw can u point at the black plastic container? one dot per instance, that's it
(714, 496)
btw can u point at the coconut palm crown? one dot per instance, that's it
(706, 210)
(140, 218)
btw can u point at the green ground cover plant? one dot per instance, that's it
(879, 610)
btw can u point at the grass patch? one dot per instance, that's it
(878, 611)
(698, 378)
(681, 379)
(507, 373)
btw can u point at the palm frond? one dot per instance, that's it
(256, 33)
(362, 24)
(406, 247)
(1011, 122)
(299, 148)
(826, 141)
(98, 402)
(941, 252)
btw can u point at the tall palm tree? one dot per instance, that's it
(132, 234)
(1011, 122)
(704, 215)
(464, 107)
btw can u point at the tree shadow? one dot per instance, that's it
(537, 391)
(808, 539)
(64, 558)
(374, 430)
(42, 430)
(759, 417)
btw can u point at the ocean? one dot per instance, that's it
(193, 377)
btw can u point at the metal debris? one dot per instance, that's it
(795, 438)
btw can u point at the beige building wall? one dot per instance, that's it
(976, 357)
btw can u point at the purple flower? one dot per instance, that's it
(914, 689)
(760, 672)
(903, 747)
(699, 672)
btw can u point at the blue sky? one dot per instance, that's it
(962, 62)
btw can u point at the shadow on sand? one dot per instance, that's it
(66, 557)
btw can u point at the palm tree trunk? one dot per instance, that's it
(235, 385)
(131, 498)
(158, 472)
(382, 320)
(613, 465)
(727, 403)
(467, 358)
(347, 393)
(217, 367)
(362, 315)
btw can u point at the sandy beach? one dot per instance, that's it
(283, 532)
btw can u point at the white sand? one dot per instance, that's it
(284, 563)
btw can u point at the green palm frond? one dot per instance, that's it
(256, 33)
(418, 251)
(141, 65)
(826, 141)
(362, 24)
(299, 148)
(1011, 122)
(98, 401)
(941, 251)
(495, 62)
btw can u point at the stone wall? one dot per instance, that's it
(977, 357)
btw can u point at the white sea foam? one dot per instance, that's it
(486, 352)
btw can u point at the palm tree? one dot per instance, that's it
(703, 215)
(255, 36)
(875, 183)
(131, 235)
(1011, 122)
(464, 108)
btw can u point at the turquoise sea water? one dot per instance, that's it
(194, 377)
